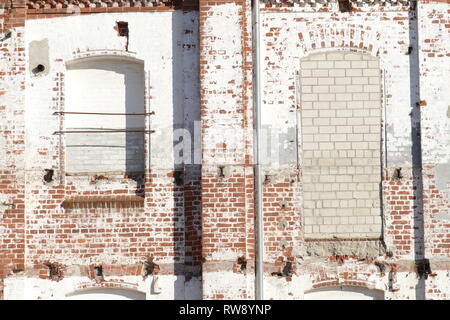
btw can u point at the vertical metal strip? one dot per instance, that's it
(259, 223)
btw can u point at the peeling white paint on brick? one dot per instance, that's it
(224, 131)
(171, 287)
(172, 91)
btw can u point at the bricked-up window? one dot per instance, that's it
(112, 87)
(341, 132)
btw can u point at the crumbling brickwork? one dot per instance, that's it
(356, 126)
(12, 138)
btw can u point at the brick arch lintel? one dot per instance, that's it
(329, 283)
(326, 37)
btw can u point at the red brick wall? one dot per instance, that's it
(112, 233)
(167, 227)
(399, 214)
(106, 231)
(437, 207)
(282, 219)
(12, 133)
(227, 200)
(207, 220)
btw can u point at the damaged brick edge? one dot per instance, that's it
(96, 272)
(150, 267)
(55, 270)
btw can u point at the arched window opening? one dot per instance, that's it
(105, 116)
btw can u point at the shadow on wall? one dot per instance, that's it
(416, 149)
(134, 103)
(187, 173)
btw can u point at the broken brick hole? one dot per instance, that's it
(287, 269)
(381, 266)
(243, 263)
(55, 270)
(15, 271)
(221, 172)
(423, 268)
(179, 177)
(422, 103)
(122, 28)
(150, 268)
(48, 177)
(7, 35)
(38, 69)
(100, 177)
(345, 6)
(398, 174)
(98, 272)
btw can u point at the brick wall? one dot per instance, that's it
(227, 174)
(434, 27)
(109, 219)
(324, 33)
(196, 221)
(12, 96)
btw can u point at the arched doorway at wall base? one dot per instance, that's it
(344, 292)
(106, 294)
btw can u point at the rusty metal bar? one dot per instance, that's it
(107, 113)
(101, 131)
